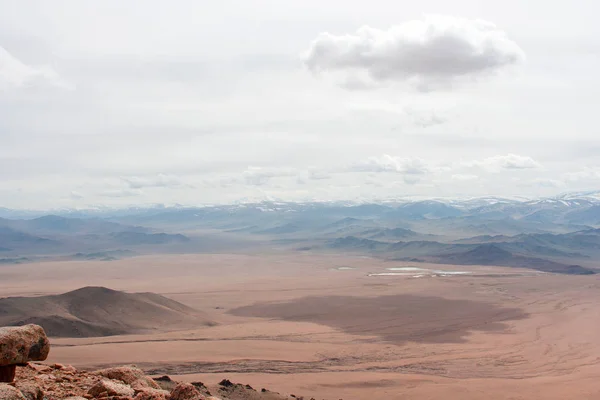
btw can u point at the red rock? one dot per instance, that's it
(69, 369)
(106, 388)
(130, 375)
(185, 391)
(39, 367)
(152, 394)
(8, 392)
(30, 391)
(21, 344)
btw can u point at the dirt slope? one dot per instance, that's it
(98, 311)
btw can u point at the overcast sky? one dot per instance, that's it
(194, 102)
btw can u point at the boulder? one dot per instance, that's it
(130, 375)
(185, 391)
(31, 391)
(8, 392)
(152, 394)
(106, 388)
(21, 344)
(18, 346)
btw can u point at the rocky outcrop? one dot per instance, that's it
(186, 391)
(130, 375)
(20, 345)
(34, 381)
(109, 388)
(8, 392)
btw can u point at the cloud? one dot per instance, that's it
(549, 183)
(121, 193)
(159, 180)
(14, 73)
(464, 177)
(75, 195)
(387, 163)
(411, 179)
(311, 175)
(587, 173)
(257, 176)
(317, 175)
(433, 51)
(509, 161)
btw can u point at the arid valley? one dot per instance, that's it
(332, 326)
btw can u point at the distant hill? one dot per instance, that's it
(53, 235)
(387, 233)
(138, 238)
(428, 209)
(11, 238)
(281, 229)
(53, 224)
(98, 311)
(492, 254)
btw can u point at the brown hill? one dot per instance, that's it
(98, 311)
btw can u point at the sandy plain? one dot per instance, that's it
(330, 327)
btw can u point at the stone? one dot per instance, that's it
(39, 367)
(21, 344)
(185, 391)
(30, 391)
(152, 394)
(8, 392)
(106, 388)
(69, 369)
(130, 375)
(75, 398)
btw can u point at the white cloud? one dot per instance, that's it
(586, 174)
(411, 179)
(75, 195)
(257, 176)
(433, 51)
(317, 175)
(14, 73)
(160, 180)
(498, 163)
(464, 177)
(387, 163)
(121, 193)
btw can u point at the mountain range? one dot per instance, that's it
(561, 232)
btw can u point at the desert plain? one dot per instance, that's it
(345, 327)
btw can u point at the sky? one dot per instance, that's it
(192, 102)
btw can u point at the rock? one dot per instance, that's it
(69, 369)
(152, 394)
(8, 392)
(226, 383)
(185, 391)
(106, 388)
(21, 344)
(31, 391)
(75, 398)
(39, 367)
(130, 375)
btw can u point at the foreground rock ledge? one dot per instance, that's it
(20, 345)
